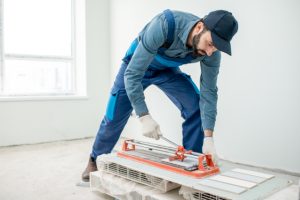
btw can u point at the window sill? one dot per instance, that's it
(43, 98)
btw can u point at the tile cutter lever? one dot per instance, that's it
(179, 147)
(168, 141)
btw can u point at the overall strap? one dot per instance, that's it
(170, 37)
(171, 27)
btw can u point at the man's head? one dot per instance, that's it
(214, 32)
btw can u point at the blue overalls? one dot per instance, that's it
(165, 74)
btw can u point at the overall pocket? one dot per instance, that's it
(111, 106)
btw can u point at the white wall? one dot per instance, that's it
(259, 112)
(23, 122)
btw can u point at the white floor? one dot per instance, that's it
(45, 171)
(51, 171)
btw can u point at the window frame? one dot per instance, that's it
(77, 59)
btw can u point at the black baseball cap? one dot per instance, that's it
(222, 26)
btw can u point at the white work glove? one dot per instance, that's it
(150, 128)
(209, 148)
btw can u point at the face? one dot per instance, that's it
(202, 44)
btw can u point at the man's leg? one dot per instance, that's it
(117, 113)
(181, 90)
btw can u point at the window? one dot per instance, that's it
(42, 48)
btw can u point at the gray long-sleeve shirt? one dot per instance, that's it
(151, 38)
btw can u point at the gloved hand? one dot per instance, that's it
(209, 148)
(150, 128)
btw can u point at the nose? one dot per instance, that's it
(210, 51)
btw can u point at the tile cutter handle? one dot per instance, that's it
(169, 141)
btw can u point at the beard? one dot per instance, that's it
(196, 39)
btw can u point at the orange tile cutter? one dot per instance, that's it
(175, 159)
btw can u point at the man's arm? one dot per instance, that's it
(208, 101)
(209, 92)
(152, 37)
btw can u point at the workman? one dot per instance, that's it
(170, 40)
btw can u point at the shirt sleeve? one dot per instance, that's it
(151, 38)
(210, 66)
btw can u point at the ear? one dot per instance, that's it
(199, 27)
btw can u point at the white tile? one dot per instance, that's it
(188, 162)
(222, 186)
(233, 181)
(246, 177)
(253, 173)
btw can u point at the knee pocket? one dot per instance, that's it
(111, 106)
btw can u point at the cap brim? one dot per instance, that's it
(221, 44)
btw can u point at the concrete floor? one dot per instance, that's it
(45, 171)
(51, 171)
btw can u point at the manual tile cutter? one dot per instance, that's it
(178, 160)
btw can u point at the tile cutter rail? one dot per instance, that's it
(175, 159)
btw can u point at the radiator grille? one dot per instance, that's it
(205, 196)
(137, 176)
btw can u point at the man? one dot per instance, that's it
(169, 40)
